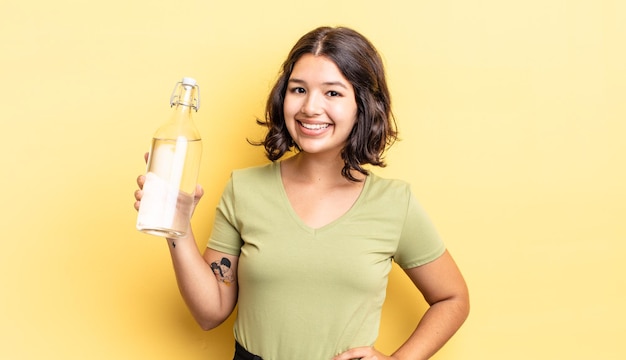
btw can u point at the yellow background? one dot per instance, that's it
(513, 119)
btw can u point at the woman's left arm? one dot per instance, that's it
(444, 288)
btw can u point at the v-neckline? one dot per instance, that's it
(298, 219)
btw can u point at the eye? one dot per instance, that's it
(333, 93)
(297, 90)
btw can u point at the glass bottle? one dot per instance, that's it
(172, 168)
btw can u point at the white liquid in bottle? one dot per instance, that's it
(169, 188)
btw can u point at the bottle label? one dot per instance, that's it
(164, 208)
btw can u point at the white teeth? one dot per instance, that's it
(315, 126)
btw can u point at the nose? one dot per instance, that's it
(312, 105)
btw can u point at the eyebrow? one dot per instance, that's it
(327, 83)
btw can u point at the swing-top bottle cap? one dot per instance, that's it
(189, 81)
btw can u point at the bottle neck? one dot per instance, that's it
(185, 96)
(183, 100)
(182, 108)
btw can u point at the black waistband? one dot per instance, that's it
(243, 354)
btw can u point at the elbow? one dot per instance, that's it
(457, 310)
(457, 305)
(210, 317)
(463, 305)
(465, 310)
(207, 323)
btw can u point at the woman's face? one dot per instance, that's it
(320, 107)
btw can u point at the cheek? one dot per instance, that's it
(290, 108)
(289, 111)
(346, 114)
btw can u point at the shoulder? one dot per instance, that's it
(393, 189)
(255, 173)
(393, 195)
(257, 182)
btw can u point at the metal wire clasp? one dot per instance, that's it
(186, 97)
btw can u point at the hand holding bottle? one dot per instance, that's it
(141, 179)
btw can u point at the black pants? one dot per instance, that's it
(243, 354)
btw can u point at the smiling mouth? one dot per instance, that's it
(313, 126)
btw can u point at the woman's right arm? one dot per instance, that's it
(208, 282)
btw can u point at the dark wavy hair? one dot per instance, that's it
(359, 62)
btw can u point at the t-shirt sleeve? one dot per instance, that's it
(419, 242)
(225, 236)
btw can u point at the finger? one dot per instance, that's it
(199, 192)
(145, 157)
(364, 353)
(141, 179)
(138, 196)
(354, 353)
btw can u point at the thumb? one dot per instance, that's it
(199, 193)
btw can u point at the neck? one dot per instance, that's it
(317, 169)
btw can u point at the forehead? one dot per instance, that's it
(317, 68)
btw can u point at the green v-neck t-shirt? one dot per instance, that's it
(309, 293)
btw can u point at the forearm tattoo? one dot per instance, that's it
(222, 271)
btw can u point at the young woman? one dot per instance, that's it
(304, 245)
